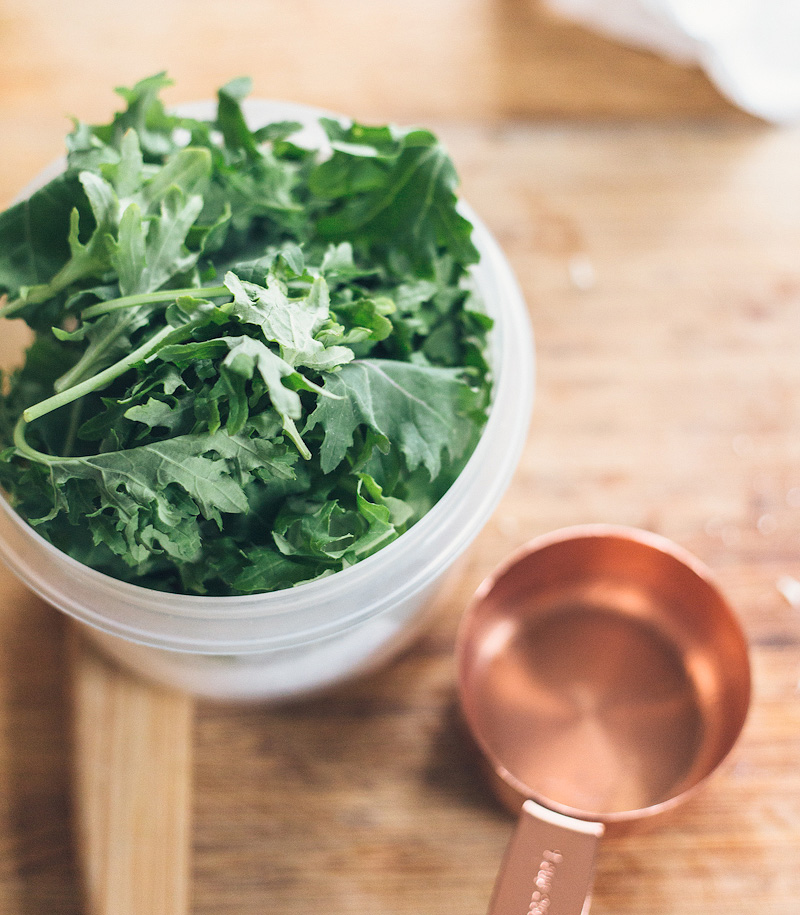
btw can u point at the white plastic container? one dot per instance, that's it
(288, 643)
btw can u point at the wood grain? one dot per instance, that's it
(132, 799)
(667, 399)
(655, 232)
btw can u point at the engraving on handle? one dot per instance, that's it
(548, 866)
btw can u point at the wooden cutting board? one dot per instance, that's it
(661, 265)
(132, 751)
(661, 269)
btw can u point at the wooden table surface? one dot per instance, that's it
(655, 232)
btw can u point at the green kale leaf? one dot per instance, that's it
(254, 363)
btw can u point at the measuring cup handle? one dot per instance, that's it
(549, 865)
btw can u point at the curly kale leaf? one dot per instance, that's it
(255, 363)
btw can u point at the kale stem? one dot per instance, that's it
(102, 379)
(31, 453)
(95, 383)
(11, 307)
(147, 298)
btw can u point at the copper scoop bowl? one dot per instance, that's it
(604, 677)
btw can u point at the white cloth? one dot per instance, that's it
(749, 48)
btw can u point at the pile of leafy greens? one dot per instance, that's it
(254, 361)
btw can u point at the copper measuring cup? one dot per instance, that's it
(603, 677)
